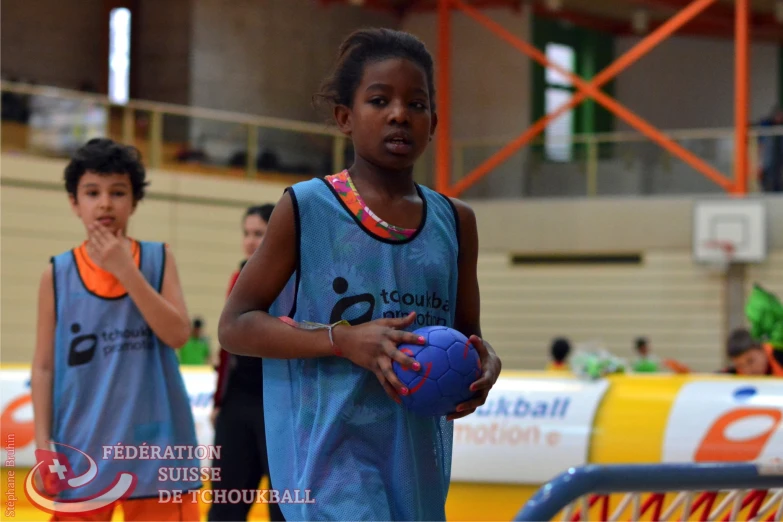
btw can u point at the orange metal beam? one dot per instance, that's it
(627, 59)
(718, 12)
(741, 95)
(443, 135)
(588, 89)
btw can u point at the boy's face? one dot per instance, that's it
(752, 362)
(104, 198)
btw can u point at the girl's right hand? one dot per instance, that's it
(373, 346)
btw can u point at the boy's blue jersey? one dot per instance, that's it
(331, 428)
(116, 383)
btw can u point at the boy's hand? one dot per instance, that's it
(44, 487)
(491, 366)
(373, 346)
(110, 251)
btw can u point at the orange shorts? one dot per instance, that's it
(147, 509)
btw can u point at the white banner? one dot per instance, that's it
(529, 431)
(17, 433)
(16, 420)
(737, 420)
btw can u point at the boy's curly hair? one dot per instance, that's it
(105, 156)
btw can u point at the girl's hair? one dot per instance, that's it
(262, 211)
(369, 46)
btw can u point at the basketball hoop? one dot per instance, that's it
(722, 254)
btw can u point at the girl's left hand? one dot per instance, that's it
(110, 251)
(490, 365)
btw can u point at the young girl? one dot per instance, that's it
(239, 410)
(368, 254)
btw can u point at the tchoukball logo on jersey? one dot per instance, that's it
(57, 475)
(82, 348)
(360, 308)
(84, 345)
(340, 287)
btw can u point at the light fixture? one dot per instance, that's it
(554, 5)
(640, 21)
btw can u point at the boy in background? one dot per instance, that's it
(196, 350)
(110, 315)
(751, 357)
(646, 363)
(559, 352)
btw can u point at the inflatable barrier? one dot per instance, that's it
(536, 425)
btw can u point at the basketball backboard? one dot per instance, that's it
(742, 223)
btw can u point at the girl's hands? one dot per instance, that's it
(490, 366)
(373, 346)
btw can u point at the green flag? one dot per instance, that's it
(764, 311)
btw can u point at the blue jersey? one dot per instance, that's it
(116, 383)
(331, 428)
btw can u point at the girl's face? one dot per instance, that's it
(253, 230)
(390, 122)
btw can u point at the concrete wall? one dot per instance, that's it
(52, 42)
(162, 64)
(268, 58)
(490, 89)
(694, 82)
(677, 304)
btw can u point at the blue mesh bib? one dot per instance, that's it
(115, 382)
(331, 428)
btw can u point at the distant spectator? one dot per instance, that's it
(646, 362)
(559, 351)
(771, 151)
(88, 86)
(751, 357)
(196, 350)
(15, 106)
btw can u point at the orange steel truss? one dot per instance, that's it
(736, 185)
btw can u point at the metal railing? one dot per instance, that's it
(577, 490)
(617, 163)
(145, 124)
(192, 138)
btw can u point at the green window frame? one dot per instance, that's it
(592, 52)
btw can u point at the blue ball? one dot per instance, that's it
(449, 365)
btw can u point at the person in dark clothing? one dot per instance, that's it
(559, 351)
(238, 412)
(771, 149)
